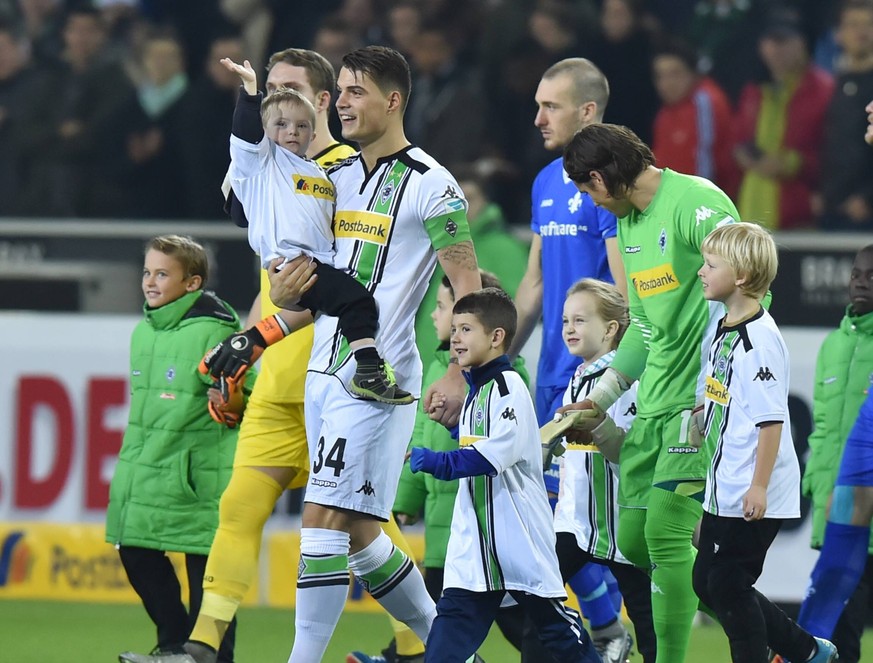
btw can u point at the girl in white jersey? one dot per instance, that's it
(753, 483)
(586, 517)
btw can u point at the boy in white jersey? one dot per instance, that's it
(753, 482)
(289, 202)
(595, 318)
(502, 540)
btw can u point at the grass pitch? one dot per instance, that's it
(37, 631)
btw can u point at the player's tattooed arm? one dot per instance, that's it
(460, 265)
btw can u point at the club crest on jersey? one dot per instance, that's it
(170, 374)
(314, 186)
(480, 416)
(721, 365)
(387, 191)
(574, 203)
(662, 241)
(655, 281)
(367, 226)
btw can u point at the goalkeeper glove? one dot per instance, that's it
(696, 426)
(234, 355)
(608, 389)
(226, 403)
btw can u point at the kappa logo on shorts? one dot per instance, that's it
(322, 482)
(367, 489)
(681, 450)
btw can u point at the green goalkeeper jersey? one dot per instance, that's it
(660, 247)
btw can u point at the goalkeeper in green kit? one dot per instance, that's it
(663, 217)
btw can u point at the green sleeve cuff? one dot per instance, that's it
(448, 229)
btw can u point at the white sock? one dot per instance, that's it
(322, 589)
(396, 583)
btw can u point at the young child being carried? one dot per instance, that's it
(753, 482)
(502, 540)
(289, 202)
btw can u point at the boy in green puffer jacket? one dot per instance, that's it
(843, 376)
(178, 449)
(421, 492)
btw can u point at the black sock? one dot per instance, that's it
(368, 357)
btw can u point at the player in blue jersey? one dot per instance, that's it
(573, 239)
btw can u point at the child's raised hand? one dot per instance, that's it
(755, 503)
(245, 72)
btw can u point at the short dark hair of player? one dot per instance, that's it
(187, 252)
(493, 308)
(320, 72)
(589, 83)
(387, 68)
(615, 152)
(489, 280)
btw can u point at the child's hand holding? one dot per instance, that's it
(245, 72)
(755, 503)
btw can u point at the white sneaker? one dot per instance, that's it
(615, 650)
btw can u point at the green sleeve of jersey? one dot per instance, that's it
(448, 229)
(633, 350)
(702, 210)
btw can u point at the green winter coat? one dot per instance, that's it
(175, 461)
(422, 491)
(843, 373)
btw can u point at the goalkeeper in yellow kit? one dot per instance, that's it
(272, 452)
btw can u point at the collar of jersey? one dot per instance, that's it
(479, 375)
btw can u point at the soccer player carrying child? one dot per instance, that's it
(595, 318)
(753, 482)
(289, 202)
(502, 539)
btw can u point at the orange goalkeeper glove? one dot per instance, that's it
(232, 357)
(226, 403)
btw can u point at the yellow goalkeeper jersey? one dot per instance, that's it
(283, 365)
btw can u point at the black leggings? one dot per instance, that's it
(730, 558)
(152, 576)
(338, 294)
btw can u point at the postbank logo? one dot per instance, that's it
(655, 281)
(314, 186)
(574, 446)
(368, 226)
(16, 559)
(467, 440)
(716, 391)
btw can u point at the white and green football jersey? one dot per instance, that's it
(746, 386)
(502, 536)
(588, 495)
(388, 225)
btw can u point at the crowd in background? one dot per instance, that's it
(119, 108)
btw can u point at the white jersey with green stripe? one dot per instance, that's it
(747, 386)
(388, 225)
(502, 536)
(588, 495)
